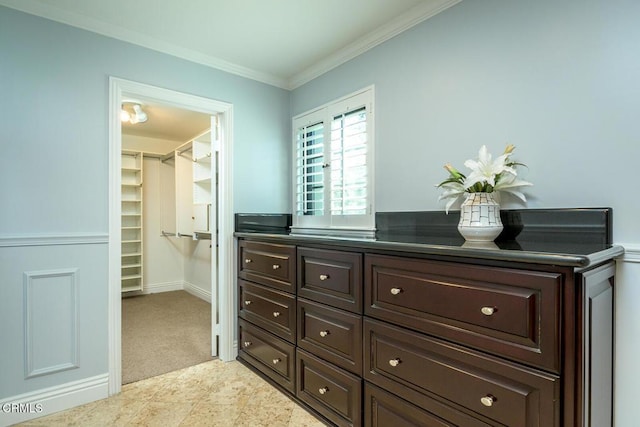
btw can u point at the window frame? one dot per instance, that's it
(361, 225)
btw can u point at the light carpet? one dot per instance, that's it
(162, 333)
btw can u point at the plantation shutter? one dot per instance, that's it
(310, 153)
(349, 171)
(333, 168)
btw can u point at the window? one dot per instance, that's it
(333, 165)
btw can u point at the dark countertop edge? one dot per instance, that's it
(570, 260)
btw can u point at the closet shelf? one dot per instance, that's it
(131, 265)
(131, 254)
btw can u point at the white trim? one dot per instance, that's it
(227, 313)
(55, 399)
(197, 291)
(227, 309)
(29, 304)
(631, 252)
(54, 239)
(413, 17)
(396, 26)
(348, 225)
(156, 288)
(119, 33)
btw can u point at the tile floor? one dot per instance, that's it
(210, 394)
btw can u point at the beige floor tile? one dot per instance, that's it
(301, 418)
(212, 415)
(162, 414)
(211, 394)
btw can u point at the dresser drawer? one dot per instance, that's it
(334, 335)
(486, 386)
(513, 313)
(383, 409)
(268, 308)
(269, 354)
(333, 392)
(268, 264)
(331, 277)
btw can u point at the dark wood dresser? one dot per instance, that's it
(380, 333)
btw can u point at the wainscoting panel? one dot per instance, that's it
(53, 313)
(627, 338)
(51, 321)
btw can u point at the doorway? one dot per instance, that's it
(222, 302)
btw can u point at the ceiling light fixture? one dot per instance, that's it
(135, 116)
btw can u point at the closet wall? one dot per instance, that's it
(169, 262)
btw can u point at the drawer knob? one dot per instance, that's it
(324, 277)
(276, 314)
(276, 361)
(324, 333)
(488, 400)
(247, 343)
(247, 302)
(247, 260)
(488, 311)
(395, 291)
(275, 266)
(323, 390)
(394, 362)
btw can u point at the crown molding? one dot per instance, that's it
(391, 29)
(113, 31)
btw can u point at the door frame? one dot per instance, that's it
(226, 316)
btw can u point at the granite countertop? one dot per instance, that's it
(566, 237)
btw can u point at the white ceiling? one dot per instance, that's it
(284, 43)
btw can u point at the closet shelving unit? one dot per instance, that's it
(202, 180)
(131, 228)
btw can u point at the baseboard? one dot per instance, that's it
(197, 291)
(47, 401)
(155, 288)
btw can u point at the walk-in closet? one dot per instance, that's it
(168, 247)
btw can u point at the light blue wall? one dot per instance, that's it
(54, 96)
(559, 79)
(54, 92)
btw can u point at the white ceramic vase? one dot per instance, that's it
(480, 218)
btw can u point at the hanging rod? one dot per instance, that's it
(185, 235)
(165, 234)
(168, 156)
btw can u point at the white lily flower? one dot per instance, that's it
(487, 175)
(452, 191)
(485, 169)
(509, 182)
